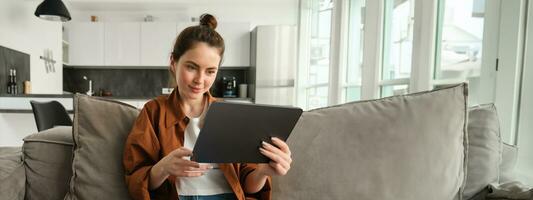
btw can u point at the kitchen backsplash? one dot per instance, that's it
(141, 83)
(146, 83)
(12, 59)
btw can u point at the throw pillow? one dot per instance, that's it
(484, 149)
(100, 129)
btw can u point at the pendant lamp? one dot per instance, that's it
(53, 10)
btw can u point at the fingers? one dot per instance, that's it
(277, 151)
(281, 145)
(278, 168)
(182, 152)
(275, 157)
(186, 163)
(188, 174)
(280, 156)
(182, 170)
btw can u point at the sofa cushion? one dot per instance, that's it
(484, 149)
(100, 129)
(507, 166)
(401, 147)
(48, 160)
(12, 174)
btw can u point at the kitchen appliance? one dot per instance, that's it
(273, 60)
(229, 86)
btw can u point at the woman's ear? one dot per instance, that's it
(172, 65)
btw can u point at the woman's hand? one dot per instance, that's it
(280, 158)
(174, 164)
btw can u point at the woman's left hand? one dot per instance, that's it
(280, 158)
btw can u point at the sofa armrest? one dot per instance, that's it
(12, 173)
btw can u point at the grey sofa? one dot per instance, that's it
(51, 165)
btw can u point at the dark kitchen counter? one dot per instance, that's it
(68, 96)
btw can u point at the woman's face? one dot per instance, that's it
(196, 70)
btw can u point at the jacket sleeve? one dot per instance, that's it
(265, 192)
(141, 152)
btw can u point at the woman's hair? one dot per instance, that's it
(204, 32)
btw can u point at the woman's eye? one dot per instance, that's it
(190, 67)
(211, 72)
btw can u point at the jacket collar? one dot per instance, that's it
(174, 114)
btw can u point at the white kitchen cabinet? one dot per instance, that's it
(146, 43)
(157, 40)
(180, 26)
(237, 40)
(86, 43)
(122, 44)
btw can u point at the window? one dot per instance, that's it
(351, 89)
(397, 45)
(315, 30)
(459, 47)
(391, 90)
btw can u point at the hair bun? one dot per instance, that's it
(208, 20)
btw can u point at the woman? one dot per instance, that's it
(156, 155)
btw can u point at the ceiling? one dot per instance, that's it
(132, 5)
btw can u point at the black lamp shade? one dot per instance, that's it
(53, 10)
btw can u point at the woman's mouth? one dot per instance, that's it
(195, 89)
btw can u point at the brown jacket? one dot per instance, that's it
(158, 130)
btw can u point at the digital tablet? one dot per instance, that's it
(233, 132)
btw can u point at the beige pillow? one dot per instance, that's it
(507, 166)
(48, 160)
(402, 147)
(100, 130)
(484, 149)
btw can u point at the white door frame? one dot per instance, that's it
(372, 48)
(510, 56)
(525, 127)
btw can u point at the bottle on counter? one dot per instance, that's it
(14, 84)
(10, 81)
(27, 87)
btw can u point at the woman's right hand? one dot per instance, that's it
(174, 164)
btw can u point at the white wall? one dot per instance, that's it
(256, 12)
(14, 127)
(22, 31)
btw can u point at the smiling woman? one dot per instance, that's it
(157, 152)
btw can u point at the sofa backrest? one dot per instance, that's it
(403, 147)
(334, 149)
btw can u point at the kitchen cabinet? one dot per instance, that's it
(237, 40)
(122, 44)
(86, 43)
(146, 43)
(180, 26)
(157, 40)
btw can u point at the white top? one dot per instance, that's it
(213, 182)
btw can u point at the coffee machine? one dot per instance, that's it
(229, 86)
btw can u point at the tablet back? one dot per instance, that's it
(233, 132)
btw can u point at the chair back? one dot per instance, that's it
(50, 114)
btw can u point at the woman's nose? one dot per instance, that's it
(198, 78)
